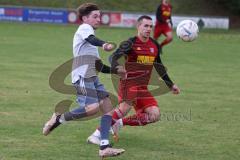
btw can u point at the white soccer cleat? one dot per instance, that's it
(110, 152)
(51, 124)
(95, 137)
(94, 140)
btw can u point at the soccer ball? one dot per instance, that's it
(187, 30)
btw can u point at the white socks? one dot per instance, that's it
(120, 122)
(104, 142)
(97, 133)
(62, 119)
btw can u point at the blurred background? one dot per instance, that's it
(226, 8)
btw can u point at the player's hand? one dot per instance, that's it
(121, 72)
(108, 47)
(169, 23)
(175, 89)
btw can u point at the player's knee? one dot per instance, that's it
(169, 38)
(106, 106)
(157, 117)
(154, 116)
(92, 109)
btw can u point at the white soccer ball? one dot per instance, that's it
(187, 30)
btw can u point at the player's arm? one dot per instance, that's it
(93, 40)
(115, 68)
(163, 74)
(159, 13)
(100, 67)
(123, 50)
(170, 23)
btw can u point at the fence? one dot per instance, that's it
(108, 18)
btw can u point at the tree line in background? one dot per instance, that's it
(232, 5)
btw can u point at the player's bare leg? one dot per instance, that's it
(168, 39)
(149, 115)
(124, 108)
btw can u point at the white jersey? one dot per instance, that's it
(84, 54)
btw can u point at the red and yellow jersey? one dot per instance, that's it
(140, 57)
(143, 52)
(163, 13)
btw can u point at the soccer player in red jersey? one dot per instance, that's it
(141, 55)
(163, 22)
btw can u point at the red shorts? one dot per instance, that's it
(139, 95)
(161, 28)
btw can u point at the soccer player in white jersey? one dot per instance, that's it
(91, 94)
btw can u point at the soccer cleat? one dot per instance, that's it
(95, 137)
(94, 140)
(110, 152)
(116, 128)
(51, 124)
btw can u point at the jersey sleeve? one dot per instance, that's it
(123, 49)
(85, 31)
(160, 68)
(100, 67)
(162, 72)
(159, 14)
(95, 41)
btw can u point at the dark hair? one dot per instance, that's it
(143, 17)
(85, 9)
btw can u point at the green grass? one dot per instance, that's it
(206, 70)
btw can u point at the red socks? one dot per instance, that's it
(117, 114)
(139, 119)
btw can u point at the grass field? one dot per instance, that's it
(202, 123)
